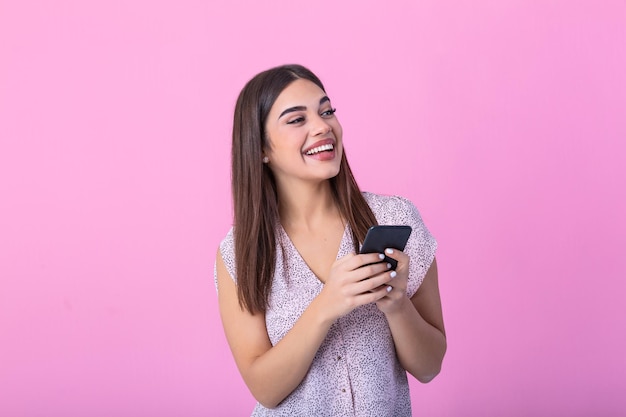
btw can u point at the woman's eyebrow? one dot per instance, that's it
(302, 108)
(291, 110)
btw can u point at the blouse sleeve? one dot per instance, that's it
(421, 249)
(227, 250)
(421, 246)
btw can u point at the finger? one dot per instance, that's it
(365, 259)
(388, 288)
(372, 296)
(397, 255)
(344, 259)
(375, 283)
(353, 261)
(369, 271)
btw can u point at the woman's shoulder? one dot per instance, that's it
(375, 198)
(384, 206)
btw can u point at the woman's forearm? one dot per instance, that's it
(275, 374)
(420, 346)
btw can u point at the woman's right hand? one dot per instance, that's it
(352, 283)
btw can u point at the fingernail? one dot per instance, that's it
(381, 256)
(388, 266)
(393, 274)
(389, 288)
(388, 251)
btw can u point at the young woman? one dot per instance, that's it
(315, 328)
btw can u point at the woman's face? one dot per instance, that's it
(304, 135)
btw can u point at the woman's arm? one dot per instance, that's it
(417, 323)
(272, 373)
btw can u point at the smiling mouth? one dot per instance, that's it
(321, 148)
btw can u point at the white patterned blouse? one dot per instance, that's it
(355, 371)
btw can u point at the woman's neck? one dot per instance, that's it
(307, 206)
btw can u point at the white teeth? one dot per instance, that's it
(319, 149)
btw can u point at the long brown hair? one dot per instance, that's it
(255, 197)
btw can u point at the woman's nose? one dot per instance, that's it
(322, 128)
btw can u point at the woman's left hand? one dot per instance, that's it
(396, 286)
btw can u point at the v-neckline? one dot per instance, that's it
(340, 250)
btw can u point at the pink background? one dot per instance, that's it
(504, 121)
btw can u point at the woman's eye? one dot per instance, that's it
(296, 120)
(329, 113)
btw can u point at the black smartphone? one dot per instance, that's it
(381, 237)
